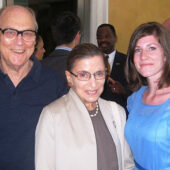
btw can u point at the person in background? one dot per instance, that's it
(81, 131)
(25, 88)
(116, 86)
(66, 33)
(148, 73)
(39, 48)
(166, 24)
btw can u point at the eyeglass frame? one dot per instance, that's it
(18, 32)
(90, 75)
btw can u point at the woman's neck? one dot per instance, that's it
(155, 96)
(91, 106)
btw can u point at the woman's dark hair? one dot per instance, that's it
(81, 51)
(134, 79)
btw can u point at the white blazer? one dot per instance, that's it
(65, 138)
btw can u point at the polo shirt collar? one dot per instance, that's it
(35, 70)
(34, 73)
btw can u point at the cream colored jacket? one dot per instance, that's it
(65, 138)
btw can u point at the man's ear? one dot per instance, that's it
(77, 37)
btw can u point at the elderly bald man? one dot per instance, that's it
(25, 88)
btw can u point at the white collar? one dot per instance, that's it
(111, 58)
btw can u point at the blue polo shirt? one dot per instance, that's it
(20, 108)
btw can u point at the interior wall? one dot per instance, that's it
(126, 15)
(98, 15)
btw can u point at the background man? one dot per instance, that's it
(166, 24)
(115, 87)
(66, 33)
(25, 88)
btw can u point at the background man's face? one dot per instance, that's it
(106, 40)
(166, 24)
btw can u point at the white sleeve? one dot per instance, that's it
(44, 142)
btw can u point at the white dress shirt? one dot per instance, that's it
(111, 58)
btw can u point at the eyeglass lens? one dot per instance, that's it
(86, 75)
(27, 35)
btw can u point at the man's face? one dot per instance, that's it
(166, 24)
(15, 53)
(106, 40)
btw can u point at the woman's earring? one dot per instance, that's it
(69, 84)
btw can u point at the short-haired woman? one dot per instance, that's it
(81, 131)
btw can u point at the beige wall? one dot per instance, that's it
(126, 15)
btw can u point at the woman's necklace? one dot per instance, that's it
(96, 112)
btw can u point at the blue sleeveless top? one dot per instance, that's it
(148, 133)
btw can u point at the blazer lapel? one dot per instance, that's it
(83, 130)
(111, 124)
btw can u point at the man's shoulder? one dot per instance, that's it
(55, 57)
(120, 57)
(118, 53)
(41, 72)
(47, 73)
(59, 53)
(53, 80)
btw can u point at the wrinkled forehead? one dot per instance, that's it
(88, 59)
(17, 17)
(104, 31)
